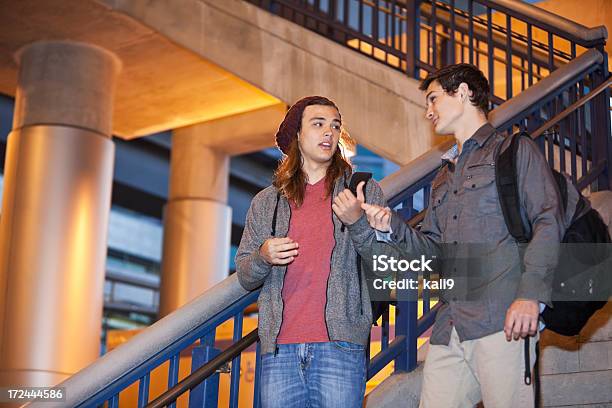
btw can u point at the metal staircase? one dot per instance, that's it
(548, 76)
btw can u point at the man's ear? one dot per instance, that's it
(464, 91)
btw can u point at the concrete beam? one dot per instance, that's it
(239, 134)
(162, 85)
(381, 107)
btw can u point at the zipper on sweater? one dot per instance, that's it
(331, 263)
(282, 311)
(360, 284)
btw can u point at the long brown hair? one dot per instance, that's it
(289, 178)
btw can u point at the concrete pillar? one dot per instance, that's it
(55, 208)
(197, 222)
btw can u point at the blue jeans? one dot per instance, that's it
(313, 375)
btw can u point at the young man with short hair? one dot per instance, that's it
(474, 351)
(300, 242)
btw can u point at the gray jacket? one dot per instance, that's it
(348, 314)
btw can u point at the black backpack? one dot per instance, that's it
(566, 317)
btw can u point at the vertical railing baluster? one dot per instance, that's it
(583, 132)
(600, 123)
(360, 22)
(434, 36)
(426, 194)
(508, 57)
(491, 56)
(235, 375)
(173, 372)
(375, 34)
(345, 12)
(384, 329)
(331, 12)
(143, 390)
(550, 146)
(452, 31)
(207, 392)
(551, 53)
(529, 54)
(561, 134)
(387, 15)
(405, 325)
(413, 15)
(561, 138)
(394, 18)
(257, 380)
(471, 29)
(523, 74)
(114, 401)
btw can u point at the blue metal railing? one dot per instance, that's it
(202, 335)
(582, 135)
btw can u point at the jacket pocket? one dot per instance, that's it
(482, 166)
(482, 193)
(438, 195)
(477, 182)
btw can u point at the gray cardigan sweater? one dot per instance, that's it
(348, 314)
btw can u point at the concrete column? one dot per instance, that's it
(197, 222)
(55, 208)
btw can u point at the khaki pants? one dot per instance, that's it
(490, 369)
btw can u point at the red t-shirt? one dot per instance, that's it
(305, 286)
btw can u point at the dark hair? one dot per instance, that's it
(289, 178)
(451, 76)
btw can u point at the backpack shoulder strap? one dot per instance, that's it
(562, 185)
(275, 214)
(506, 177)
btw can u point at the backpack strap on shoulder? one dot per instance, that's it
(506, 177)
(275, 214)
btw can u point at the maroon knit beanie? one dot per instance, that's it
(292, 123)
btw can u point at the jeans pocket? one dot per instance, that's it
(349, 347)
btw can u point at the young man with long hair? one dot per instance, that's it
(301, 240)
(474, 351)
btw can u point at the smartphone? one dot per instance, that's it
(357, 178)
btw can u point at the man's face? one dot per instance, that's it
(318, 138)
(443, 110)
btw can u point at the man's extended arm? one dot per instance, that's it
(393, 230)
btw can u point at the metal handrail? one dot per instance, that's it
(165, 338)
(576, 32)
(500, 117)
(572, 108)
(202, 373)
